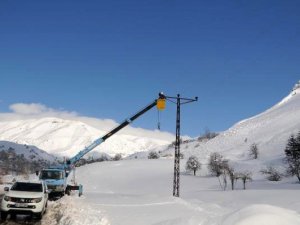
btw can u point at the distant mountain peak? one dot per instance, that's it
(66, 137)
(297, 86)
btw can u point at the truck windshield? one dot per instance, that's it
(51, 175)
(32, 187)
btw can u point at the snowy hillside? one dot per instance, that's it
(29, 152)
(270, 130)
(67, 137)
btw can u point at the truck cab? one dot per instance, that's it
(56, 180)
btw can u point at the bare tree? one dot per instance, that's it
(193, 164)
(215, 164)
(245, 177)
(218, 166)
(232, 176)
(224, 179)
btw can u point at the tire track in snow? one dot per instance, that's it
(136, 205)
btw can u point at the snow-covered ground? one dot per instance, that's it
(139, 192)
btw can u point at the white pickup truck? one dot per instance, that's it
(25, 198)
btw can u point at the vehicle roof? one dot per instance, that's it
(30, 182)
(53, 169)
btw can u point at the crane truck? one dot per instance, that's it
(56, 178)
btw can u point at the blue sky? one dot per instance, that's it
(108, 59)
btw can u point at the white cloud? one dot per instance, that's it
(21, 111)
(29, 109)
(37, 110)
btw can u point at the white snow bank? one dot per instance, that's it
(263, 215)
(68, 211)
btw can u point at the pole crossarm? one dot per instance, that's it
(193, 100)
(178, 97)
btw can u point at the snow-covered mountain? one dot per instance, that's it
(270, 130)
(67, 137)
(29, 152)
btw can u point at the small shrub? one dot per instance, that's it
(153, 155)
(181, 156)
(167, 155)
(103, 158)
(207, 135)
(117, 157)
(272, 174)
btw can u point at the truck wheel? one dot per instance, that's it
(68, 191)
(45, 209)
(39, 215)
(13, 216)
(3, 215)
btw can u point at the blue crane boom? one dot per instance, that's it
(98, 141)
(59, 185)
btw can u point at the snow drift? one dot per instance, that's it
(262, 215)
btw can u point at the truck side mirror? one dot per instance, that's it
(37, 172)
(6, 189)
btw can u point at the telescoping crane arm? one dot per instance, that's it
(98, 141)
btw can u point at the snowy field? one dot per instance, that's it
(139, 192)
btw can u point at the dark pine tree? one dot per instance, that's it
(292, 153)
